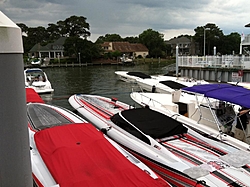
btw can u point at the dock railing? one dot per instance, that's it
(225, 61)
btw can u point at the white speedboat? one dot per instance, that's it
(37, 79)
(209, 108)
(157, 83)
(68, 151)
(180, 155)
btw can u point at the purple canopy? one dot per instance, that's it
(225, 92)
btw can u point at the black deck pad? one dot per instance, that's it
(139, 74)
(43, 116)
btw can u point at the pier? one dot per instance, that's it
(226, 68)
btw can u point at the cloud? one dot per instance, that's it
(132, 17)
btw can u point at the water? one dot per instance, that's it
(97, 80)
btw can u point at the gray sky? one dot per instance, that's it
(132, 17)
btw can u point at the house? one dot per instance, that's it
(186, 46)
(51, 50)
(129, 49)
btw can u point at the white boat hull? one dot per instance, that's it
(172, 154)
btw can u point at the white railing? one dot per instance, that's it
(226, 61)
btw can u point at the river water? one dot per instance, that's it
(98, 80)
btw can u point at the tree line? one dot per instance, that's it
(76, 29)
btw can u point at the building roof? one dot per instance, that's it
(105, 44)
(57, 45)
(182, 39)
(126, 47)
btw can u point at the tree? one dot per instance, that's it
(53, 32)
(132, 39)
(24, 28)
(74, 26)
(109, 38)
(231, 43)
(38, 34)
(90, 50)
(154, 41)
(72, 46)
(213, 36)
(75, 46)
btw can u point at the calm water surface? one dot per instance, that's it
(97, 80)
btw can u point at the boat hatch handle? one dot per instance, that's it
(105, 130)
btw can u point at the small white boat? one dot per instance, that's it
(180, 155)
(212, 115)
(37, 79)
(125, 60)
(36, 61)
(68, 151)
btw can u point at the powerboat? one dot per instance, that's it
(158, 83)
(66, 150)
(36, 61)
(178, 154)
(210, 109)
(37, 79)
(125, 60)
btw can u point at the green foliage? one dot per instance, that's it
(74, 26)
(74, 46)
(230, 44)
(107, 55)
(53, 32)
(109, 38)
(132, 39)
(154, 41)
(214, 36)
(116, 54)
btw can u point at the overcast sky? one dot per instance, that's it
(131, 17)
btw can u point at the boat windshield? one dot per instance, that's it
(35, 75)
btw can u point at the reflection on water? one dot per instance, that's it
(97, 80)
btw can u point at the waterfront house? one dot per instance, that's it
(186, 46)
(51, 50)
(129, 49)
